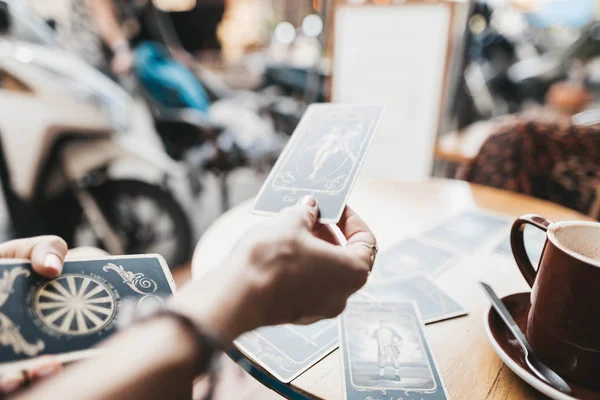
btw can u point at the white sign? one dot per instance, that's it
(394, 56)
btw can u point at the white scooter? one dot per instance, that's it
(67, 166)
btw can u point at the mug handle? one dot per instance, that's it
(517, 243)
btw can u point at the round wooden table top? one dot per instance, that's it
(397, 210)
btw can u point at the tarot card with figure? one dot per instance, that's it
(286, 351)
(468, 230)
(433, 303)
(385, 354)
(413, 257)
(68, 315)
(322, 158)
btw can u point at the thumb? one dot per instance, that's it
(305, 213)
(46, 253)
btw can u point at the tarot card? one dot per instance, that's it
(469, 230)
(433, 303)
(413, 257)
(286, 351)
(385, 354)
(68, 315)
(322, 158)
(534, 244)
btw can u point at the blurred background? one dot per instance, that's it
(133, 124)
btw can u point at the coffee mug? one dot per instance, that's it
(563, 325)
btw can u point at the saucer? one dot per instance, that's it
(509, 351)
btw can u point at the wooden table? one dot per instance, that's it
(393, 210)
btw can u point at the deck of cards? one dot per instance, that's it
(67, 316)
(322, 159)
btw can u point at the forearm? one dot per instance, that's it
(105, 16)
(155, 359)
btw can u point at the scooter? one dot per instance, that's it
(67, 165)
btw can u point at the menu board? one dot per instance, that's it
(396, 56)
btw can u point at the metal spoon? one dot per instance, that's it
(534, 363)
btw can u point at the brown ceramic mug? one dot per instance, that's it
(563, 324)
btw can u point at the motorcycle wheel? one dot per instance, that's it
(146, 218)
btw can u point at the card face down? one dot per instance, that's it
(385, 354)
(322, 158)
(286, 351)
(468, 230)
(412, 257)
(433, 303)
(68, 315)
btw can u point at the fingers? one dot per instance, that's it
(357, 233)
(326, 233)
(304, 214)
(13, 381)
(48, 366)
(46, 253)
(355, 230)
(349, 271)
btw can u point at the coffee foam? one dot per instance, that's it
(580, 238)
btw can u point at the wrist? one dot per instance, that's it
(120, 46)
(225, 302)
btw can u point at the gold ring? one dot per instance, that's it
(374, 250)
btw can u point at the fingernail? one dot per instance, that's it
(309, 201)
(53, 262)
(10, 385)
(46, 370)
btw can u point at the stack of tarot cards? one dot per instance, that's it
(67, 316)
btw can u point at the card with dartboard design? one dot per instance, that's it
(69, 315)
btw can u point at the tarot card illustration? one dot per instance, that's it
(385, 354)
(322, 159)
(468, 230)
(70, 314)
(413, 257)
(433, 303)
(286, 351)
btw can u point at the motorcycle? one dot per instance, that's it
(67, 165)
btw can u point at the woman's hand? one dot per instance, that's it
(47, 255)
(288, 269)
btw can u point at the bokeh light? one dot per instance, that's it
(285, 32)
(312, 25)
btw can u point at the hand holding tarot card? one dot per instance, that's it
(70, 314)
(322, 159)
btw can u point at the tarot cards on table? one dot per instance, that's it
(286, 351)
(322, 158)
(469, 230)
(433, 303)
(385, 354)
(413, 257)
(68, 315)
